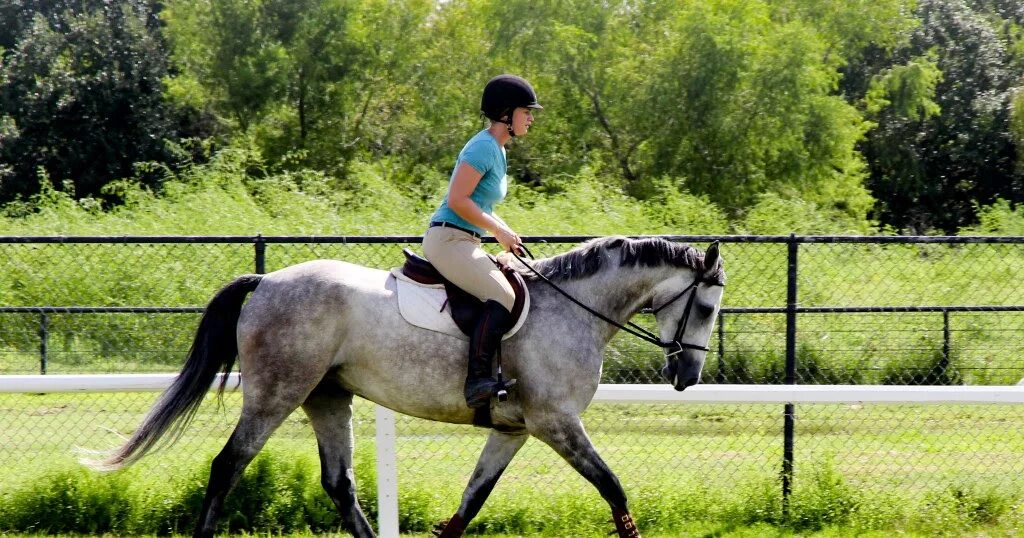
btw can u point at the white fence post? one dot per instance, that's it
(387, 474)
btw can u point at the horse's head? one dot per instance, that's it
(685, 308)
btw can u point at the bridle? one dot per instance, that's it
(633, 328)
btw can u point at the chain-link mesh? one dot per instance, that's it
(867, 313)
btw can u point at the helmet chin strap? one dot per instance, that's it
(508, 124)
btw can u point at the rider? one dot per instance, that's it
(452, 242)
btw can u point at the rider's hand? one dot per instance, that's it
(509, 240)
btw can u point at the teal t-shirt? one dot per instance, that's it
(487, 156)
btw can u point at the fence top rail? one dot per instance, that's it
(363, 239)
(607, 393)
(869, 309)
(101, 309)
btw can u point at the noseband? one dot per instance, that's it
(683, 320)
(633, 328)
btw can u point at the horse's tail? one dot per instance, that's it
(214, 349)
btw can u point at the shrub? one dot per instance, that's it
(827, 500)
(69, 501)
(926, 368)
(961, 507)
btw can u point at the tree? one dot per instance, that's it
(723, 97)
(81, 96)
(314, 80)
(930, 167)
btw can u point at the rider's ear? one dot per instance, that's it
(712, 258)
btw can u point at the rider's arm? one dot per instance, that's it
(462, 186)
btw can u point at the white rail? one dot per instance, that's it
(387, 477)
(987, 394)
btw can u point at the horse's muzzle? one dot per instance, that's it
(671, 374)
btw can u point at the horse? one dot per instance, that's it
(315, 334)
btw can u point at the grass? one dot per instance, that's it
(693, 468)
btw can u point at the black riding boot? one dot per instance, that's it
(483, 343)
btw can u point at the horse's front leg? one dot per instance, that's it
(497, 453)
(566, 435)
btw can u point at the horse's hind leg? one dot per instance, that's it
(497, 453)
(565, 434)
(329, 408)
(252, 431)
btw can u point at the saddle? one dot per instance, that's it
(464, 307)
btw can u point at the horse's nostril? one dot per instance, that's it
(691, 382)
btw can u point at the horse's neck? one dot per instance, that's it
(618, 294)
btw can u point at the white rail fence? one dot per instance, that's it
(387, 475)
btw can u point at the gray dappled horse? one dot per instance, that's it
(317, 333)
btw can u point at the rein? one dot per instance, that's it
(630, 327)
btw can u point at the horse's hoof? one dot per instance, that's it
(450, 528)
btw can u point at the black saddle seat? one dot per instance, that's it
(464, 306)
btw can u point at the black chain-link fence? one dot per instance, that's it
(829, 310)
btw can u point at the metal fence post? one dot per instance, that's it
(790, 409)
(720, 376)
(945, 344)
(260, 246)
(44, 337)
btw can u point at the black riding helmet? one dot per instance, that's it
(505, 93)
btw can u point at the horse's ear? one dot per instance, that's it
(712, 258)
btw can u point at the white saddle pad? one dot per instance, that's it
(425, 306)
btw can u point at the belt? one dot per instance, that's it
(444, 224)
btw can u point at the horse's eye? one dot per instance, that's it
(705, 309)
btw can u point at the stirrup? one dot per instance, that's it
(495, 389)
(502, 393)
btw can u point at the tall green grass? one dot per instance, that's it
(909, 468)
(280, 493)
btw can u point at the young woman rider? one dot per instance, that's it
(452, 241)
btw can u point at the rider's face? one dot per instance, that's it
(522, 118)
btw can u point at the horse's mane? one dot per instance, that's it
(589, 258)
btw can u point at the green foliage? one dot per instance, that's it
(826, 500)
(318, 79)
(852, 26)
(925, 369)
(909, 89)
(1000, 218)
(572, 208)
(68, 501)
(81, 96)
(276, 494)
(761, 503)
(710, 465)
(724, 101)
(270, 496)
(776, 215)
(959, 508)
(945, 144)
(1017, 122)
(718, 94)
